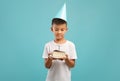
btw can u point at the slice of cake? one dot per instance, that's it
(58, 54)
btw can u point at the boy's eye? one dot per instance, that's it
(56, 29)
(62, 29)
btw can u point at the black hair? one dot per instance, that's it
(58, 21)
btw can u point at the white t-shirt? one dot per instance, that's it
(59, 71)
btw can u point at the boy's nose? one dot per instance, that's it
(59, 31)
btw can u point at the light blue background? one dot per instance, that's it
(94, 27)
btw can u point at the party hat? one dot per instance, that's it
(62, 13)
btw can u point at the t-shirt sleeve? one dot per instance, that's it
(45, 52)
(73, 54)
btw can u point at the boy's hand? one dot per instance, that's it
(48, 61)
(50, 56)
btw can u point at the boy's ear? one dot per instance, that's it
(67, 28)
(51, 28)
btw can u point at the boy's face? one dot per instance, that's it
(59, 30)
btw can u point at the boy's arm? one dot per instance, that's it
(48, 62)
(70, 62)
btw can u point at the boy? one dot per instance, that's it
(59, 68)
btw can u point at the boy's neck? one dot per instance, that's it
(60, 41)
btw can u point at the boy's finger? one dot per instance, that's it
(66, 55)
